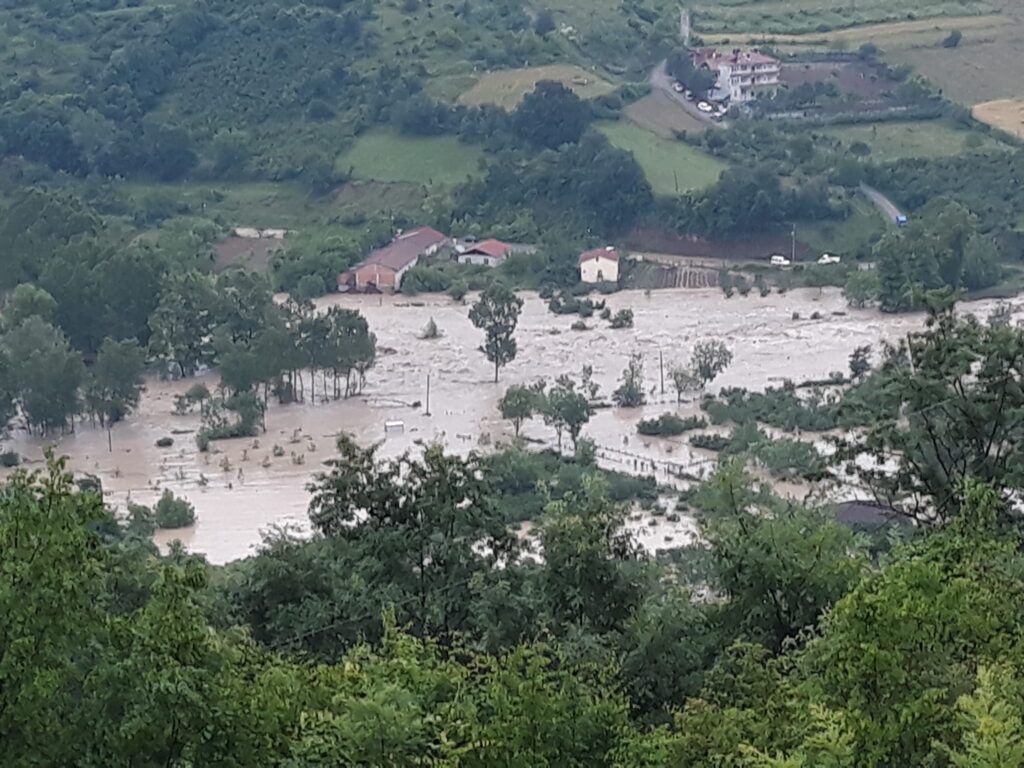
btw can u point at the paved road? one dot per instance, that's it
(882, 203)
(661, 81)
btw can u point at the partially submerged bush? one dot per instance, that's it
(173, 512)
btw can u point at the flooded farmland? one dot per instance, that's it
(243, 488)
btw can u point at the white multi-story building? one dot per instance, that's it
(742, 75)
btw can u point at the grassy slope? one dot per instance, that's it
(819, 16)
(384, 155)
(853, 234)
(663, 160)
(506, 88)
(896, 140)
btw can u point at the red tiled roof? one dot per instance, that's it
(493, 248)
(405, 248)
(599, 253)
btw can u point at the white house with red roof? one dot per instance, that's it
(742, 75)
(601, 265)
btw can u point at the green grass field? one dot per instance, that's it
(896, 140)
(853, 234)
(819, 16)
(666, 162)
(383, 155)
(507, 87)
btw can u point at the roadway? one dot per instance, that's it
(886, 206)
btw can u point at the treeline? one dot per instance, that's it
(412, 627)
(984, 182)
(231, 322)
(941, 250)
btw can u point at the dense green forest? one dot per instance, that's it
(414, 628)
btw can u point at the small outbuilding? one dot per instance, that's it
(600, 265)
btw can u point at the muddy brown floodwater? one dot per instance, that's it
(242, 489)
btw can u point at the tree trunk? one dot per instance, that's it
(110, 444)
(496, 366)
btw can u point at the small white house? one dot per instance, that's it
(600, 265)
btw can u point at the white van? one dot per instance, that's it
(778, 260)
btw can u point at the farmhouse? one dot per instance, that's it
(742, 75)
(600, 265)
(383, 269)
(489, 253)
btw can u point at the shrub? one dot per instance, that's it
(10, 459)
(781, 408)
(669, 425)
(710, 442)
(579, 325)
(952, 40)
(173, 512)
(623, 319)
(140, 520)
(458, 291)
(165, 442)
(788, 459)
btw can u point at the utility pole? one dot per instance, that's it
(792, 254)
(428, 393)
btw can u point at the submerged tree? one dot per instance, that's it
(520, 403)
(114, 384)
(630, 393)
(497, 313)
(709, 359)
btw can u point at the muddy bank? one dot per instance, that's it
(243, 488)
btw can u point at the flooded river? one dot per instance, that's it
(243, 489)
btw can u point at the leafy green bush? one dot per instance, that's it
(10, 459)
(781, 408)
(140, 520)
(622, 319)
(173, 512)
(523, 482)
(790, 459)
(669, 425)
(710, 442)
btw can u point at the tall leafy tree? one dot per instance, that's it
(497, 313)
(709, 359)
(183, 323)
(551, 115)
(114, 385)
(46, 373)
(428, 523)
(50, 612)
(945, 407)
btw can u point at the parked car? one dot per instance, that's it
(678, 87)
(901, 220)
(703, 106)
(828, 258)
(778, 260)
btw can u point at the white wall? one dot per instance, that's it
(599, 270)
